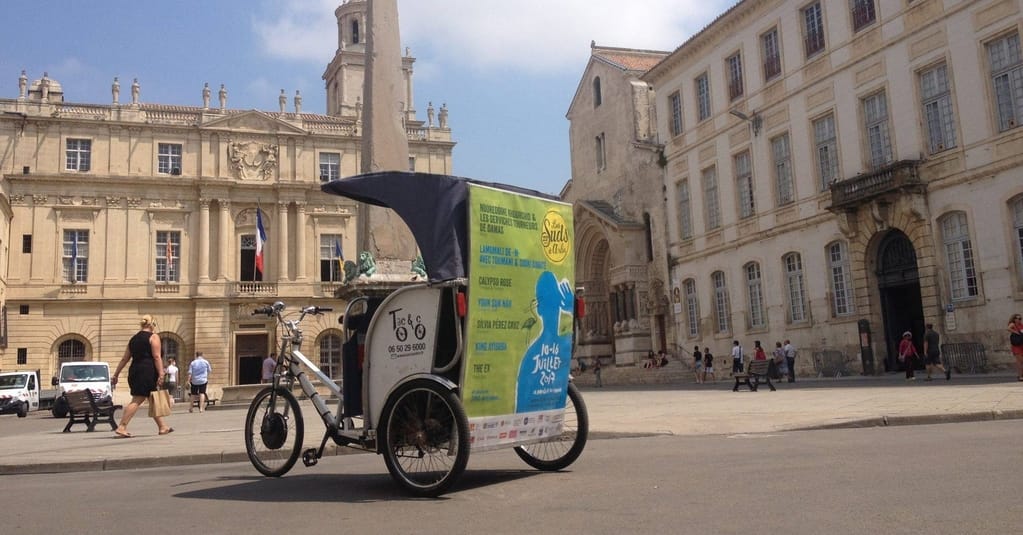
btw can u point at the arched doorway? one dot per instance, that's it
(899, 287)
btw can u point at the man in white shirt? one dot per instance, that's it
(198, 376)
(736, 357)
(790, 360)
(172, 377)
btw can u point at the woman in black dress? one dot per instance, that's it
(144, 375)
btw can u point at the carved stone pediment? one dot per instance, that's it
(255, 122)
(252, 160)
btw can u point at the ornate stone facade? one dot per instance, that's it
(112, 211)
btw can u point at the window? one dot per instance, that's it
(744, 184)
(168, 158)
(937, 102)
(26, 243)
(330, 166)
(168, 256)
(70, 351)
(247, 270)
(355, 31)
(826, 142)
(771, 52)
(1006, 65)
(813, 29)
(703, 97)
(597, 99)
(955, 233)
(734, 67)
(330, 355)
(601, 155)
(841, 279)
(782, 169)
(675, 100)
(862, 13)
(755, 295)
(330, 258)
(23, 309)
(875, 118)
(78, 155)
(22, 355)
(685, 217)
(692, 308)
(721, 308)
(76, 256)
(795, 286)
(1017, 219)
(710, 198)
(169, 348)
(412, 164)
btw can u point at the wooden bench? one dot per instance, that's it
(209, 401)
(757, 370)
(84, 409)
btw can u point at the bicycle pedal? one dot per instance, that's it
(310, 457)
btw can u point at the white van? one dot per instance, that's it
(74, 376)
(19, 393)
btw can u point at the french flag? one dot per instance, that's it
(260, 240)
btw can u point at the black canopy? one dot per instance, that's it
(434, 207)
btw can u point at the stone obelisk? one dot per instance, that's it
(384, 141)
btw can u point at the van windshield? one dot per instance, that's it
(12, 381)
(84, 373)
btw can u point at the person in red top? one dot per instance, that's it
(1015, 332)
(908, 355)
(758, 351)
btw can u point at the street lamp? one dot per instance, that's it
(755, 121)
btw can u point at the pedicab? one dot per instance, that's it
(476, 357)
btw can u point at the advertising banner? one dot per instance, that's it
(520, 316)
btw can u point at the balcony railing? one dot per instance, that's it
(255, 288)
(863, 188)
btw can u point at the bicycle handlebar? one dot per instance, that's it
(270, 310)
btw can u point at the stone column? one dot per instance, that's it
(203, 250)
(224, 239)
(384, 141)
(300, 248)
(282, 242)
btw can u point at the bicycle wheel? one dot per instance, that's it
(425, 438)
(273, 431)
(558, 452)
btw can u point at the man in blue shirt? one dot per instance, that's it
(198, 375)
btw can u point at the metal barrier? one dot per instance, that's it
(829, 363)
(964, 356)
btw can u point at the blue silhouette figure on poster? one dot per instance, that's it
(543, 373)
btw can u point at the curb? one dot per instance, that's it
(922, 419)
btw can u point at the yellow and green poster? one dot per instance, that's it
(520, 317)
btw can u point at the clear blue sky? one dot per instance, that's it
(507, 70)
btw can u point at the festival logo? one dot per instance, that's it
(554, 237)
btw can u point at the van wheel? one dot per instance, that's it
(60, 407)
(23, 411)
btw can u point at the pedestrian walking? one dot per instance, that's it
(736, 357)
(698, 364)
(198, 376)
(908, 355)
(708, 365)
(596, 372)
(1016, 342)
(269, 365)
(932, 353)
(779, 360)
(790, 359)
(144, 375)
(172, 378)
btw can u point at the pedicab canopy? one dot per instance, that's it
(515, 248)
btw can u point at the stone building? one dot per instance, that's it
(834, 166)
(126, 208)
(619, 207)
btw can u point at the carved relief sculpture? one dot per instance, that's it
(252, 160)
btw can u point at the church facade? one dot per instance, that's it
(127, 208)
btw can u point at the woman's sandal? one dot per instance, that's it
(122, 434)
(167, 431)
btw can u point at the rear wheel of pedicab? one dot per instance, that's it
(560, 451)
(273, 432)
(425, 437)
